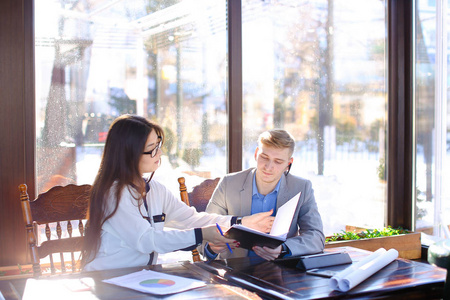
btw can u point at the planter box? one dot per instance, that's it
(407, 245)
(26, 271)
(12, 272)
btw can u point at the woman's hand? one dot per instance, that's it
(220, 248)
(260, 221)
(213, 236)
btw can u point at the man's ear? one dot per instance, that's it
(256, 152)
(289, 165)
(288, 168)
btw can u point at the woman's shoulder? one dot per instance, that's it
(157, 187)
(155, 184)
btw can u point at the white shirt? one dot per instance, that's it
(127, 239)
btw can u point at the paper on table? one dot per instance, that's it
(334, 281)
(155, 283)
(1, 296)
(355, 274)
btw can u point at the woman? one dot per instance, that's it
(127, 214)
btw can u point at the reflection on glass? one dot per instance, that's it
(96, 60)
(318, 70)
(424, 90)
(432, 196)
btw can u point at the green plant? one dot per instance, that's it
(381, 169)
(192, 156)
(420, 198)
(367, 234)
(21, 270)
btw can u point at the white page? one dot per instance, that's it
(334, 281)
(367, 270)
(284, 216)
(355, 274)
(155, 283)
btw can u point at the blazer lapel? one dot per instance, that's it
(283, 193)
(246, 194)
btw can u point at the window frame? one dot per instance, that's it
(400, 150)
(18, 99)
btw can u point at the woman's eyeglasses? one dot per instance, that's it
(155, 150)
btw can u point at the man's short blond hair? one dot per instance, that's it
(277, 138)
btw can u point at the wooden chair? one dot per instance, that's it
(61, 203)
(198, 198)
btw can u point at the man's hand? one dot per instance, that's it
(267, 253)
(260, 221)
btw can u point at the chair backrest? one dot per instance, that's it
(58, 205)
(198, 198)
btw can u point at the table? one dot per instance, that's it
(72, 286)
(249, 278)
(402, 279)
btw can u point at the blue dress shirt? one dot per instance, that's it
(261, 203)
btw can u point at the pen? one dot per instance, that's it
(220, 230)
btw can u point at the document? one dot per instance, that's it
(249, 237)
(155, 283)
(360, 271)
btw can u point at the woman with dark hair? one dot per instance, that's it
(127, 214)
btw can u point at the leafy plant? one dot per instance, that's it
(381, 169)
(22, 271)
(367, 234)
(420, 198)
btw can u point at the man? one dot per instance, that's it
(266, 187)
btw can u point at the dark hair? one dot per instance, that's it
(124, 145)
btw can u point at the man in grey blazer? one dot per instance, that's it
(266, 187)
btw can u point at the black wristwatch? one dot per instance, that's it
(239, 220)
(284, 251)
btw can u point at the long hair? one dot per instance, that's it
(124, 145)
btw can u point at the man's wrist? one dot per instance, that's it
(284, 251)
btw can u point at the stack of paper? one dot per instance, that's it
(155, 283)
(360, 271)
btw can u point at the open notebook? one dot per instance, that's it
(249, 237)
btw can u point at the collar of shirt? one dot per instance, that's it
(261, 203)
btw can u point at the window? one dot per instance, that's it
(432, 196)
(165, 60)
(315, 68)
(318, 70)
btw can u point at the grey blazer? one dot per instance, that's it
(233, 196)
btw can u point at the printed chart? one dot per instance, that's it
(157, 283)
